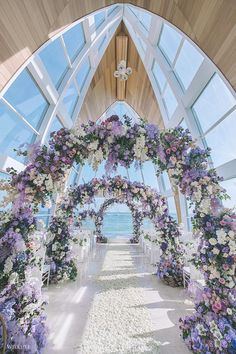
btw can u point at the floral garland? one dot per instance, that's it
(172, 150)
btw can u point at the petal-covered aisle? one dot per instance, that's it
(115, 308)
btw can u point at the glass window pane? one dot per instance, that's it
(74, 40)
(54, 126)
(43, 215)
(188, 63)
(135, 174)
(183, 124)
(230, 186)
(111, 9)
(166, 181)
(222, 140)
(213, 103)
(159, 76)
(172, 207)
(70, 99)
(169, 42)
(13, 132)
(82, 74)
(99, 19)
(121, 171)
(72, 177)
(149, 175)
(143, 17)
(25, 96)
(87, 174)
(54, 60)
(170, 101)
(100, 42)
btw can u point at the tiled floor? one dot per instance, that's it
(71, 307)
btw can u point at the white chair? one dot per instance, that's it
(186, 276)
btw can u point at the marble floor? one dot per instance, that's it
(116, 306)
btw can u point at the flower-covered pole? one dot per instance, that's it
(212, 328)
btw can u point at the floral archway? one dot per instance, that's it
(170, 268)
(137, 217)
(171, 150)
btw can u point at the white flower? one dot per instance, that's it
(212, 241)
(215, 250)
(93, 146)
(8, 265)
(13, 278)
(231, 234)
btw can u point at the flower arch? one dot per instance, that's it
(118, 188)
(171, 150)
(137, 217)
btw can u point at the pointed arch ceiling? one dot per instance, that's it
(26, 25)
(102, 91)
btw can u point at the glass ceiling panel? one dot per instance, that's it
(120, 109)
(230, 186)
(25, 96)
(187, 64)
(213, 103)
(143, 17)
(170, 101)
(99, 18)
(169, 42)
(100, 42)
(111, 9)
(222, 141)
(159, 76)
(74, 40)
(54, 60)
(70, 99)
(83, 73)
(54, 127)
(15, 132)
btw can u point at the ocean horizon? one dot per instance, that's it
(117, 224)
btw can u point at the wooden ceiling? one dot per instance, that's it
(26, 24)
(102, 91)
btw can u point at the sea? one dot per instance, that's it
(117, 224)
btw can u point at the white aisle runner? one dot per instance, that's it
(115, 309)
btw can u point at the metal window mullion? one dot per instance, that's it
(65, 51)
(220, 120)
(77, 86)
(177, 53)
(20, 115)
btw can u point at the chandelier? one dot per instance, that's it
(122, 72)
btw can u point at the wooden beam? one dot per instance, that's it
(121, 54)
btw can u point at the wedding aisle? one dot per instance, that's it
(115, 307)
